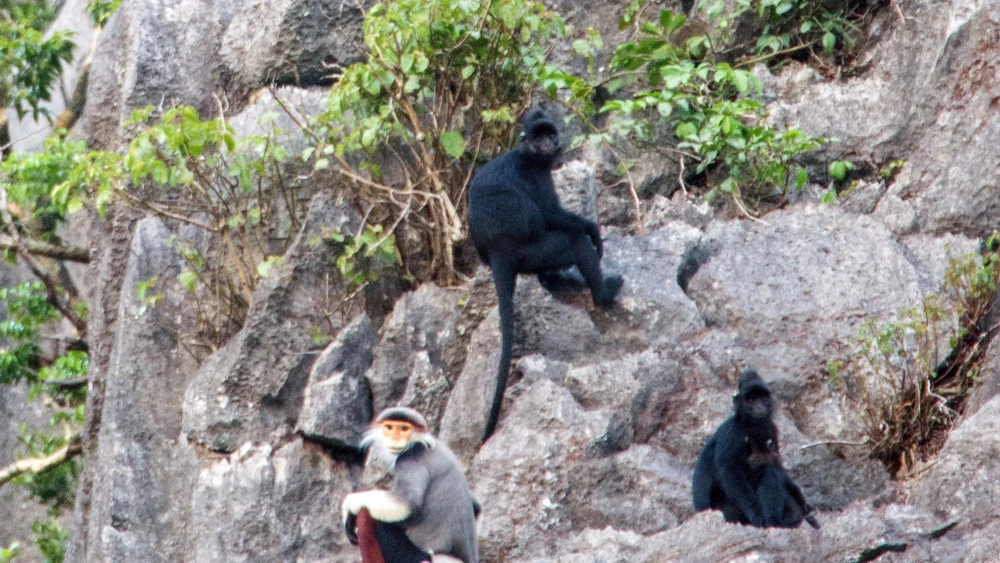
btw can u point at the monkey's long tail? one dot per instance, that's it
(504, 277)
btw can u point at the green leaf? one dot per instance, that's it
(801, 178)
(838, 169)
(727, 125)
(675, 75)
(829, 197)
(829, 41)
(453, 143)
(741, 80)
(74, 205)
(187, 279)
(421, 62)
(670, 22)
(412, 84)
(686, 130)
(265, 267)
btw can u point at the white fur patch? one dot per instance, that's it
(440, 558)
(382, 505)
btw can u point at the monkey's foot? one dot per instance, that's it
(611, 286)
(566, 280)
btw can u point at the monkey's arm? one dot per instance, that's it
(382, 505)
(704, 475)
(795, 491)
(729, 460)
(558, 219)
(411, 478)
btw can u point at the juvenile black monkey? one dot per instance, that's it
(739, 470)
(519, 227)
(430, 513)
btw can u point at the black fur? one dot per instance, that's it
(739, 471)
(519, 227)
(396, 546)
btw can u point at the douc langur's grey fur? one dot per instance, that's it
(430, 497)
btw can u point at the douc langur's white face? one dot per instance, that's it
(396, 435)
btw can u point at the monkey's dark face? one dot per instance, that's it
(755, 403)
(541, 138)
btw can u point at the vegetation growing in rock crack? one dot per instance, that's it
(917, 372)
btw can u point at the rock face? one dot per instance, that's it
(415, 361)
(246, 455)
(252, 388)
(337, 404)
(140, 463)
(960, 484)
(269, 505)
(932, 86)
(299, 42)
(154, 52)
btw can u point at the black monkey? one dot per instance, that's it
(519, 227)
(739, 471)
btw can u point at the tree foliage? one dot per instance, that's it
(30, 61)
(440, 92)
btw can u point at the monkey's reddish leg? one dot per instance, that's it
(370, 551)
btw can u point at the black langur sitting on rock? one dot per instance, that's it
(430, 513)
(519, 227)
(739, 471)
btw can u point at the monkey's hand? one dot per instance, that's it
(351, 528)
(594, 232)
(353, 503)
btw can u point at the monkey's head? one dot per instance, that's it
(540, 140)
(753, 400)
(394, 430)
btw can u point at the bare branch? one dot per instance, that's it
(55, 251)
(36, 465)
(631, 189)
